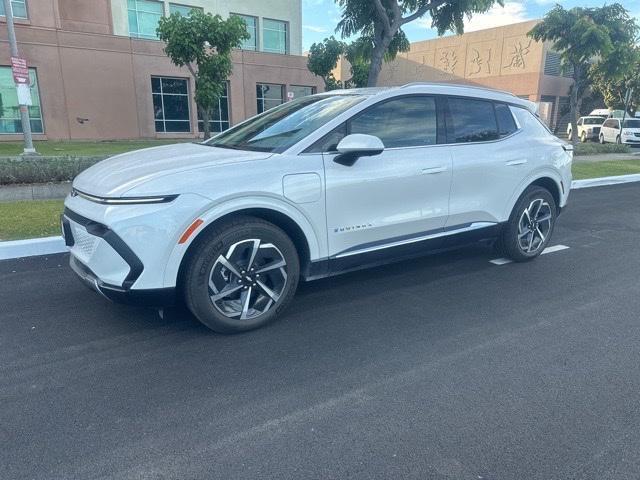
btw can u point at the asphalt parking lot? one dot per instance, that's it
(446, 367)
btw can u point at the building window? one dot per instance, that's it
(183, 10)
(171, 104)
(300, 91)
(274, 35)
(144, 16)
(219, 120)
(10, 121)
(269, 95)
(18, 7)
(252, 29)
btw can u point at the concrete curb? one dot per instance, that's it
(51, 245)
(603, 181)
(31, 247)
(46, 191)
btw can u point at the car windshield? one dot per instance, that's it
(593, 121)
(631, 124)
(285, 125)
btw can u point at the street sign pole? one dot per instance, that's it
(24, 105)
(627, 99)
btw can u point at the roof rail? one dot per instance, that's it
(451, 84)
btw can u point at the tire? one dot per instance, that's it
(601, 139)
(537, 208)
(570, 135)
(618, 140)
(224, 259)
(583, 137)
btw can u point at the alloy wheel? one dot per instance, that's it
(248, 280)
(534, 226)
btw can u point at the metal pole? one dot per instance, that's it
(627, 99)
(24, 109)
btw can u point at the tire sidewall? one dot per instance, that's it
(510, 231)
(218, 244)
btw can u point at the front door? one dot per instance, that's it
(398, 196)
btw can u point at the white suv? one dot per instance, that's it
(314, 187)
(588, 128)
(630, 133)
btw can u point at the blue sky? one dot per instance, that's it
(319, 17)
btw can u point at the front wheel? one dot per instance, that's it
(241, 275)
(618, 140)
(601, 139)
(529, 228)
(583, 137)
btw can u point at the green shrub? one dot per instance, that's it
(43, 169)
(597, 148)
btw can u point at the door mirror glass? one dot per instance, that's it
(358, 145)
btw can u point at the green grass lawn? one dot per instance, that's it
(30, 219)
(585, 170)
(41, 218)
(51, 148)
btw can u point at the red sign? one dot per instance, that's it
(20, 70)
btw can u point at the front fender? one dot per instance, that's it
(314, 237)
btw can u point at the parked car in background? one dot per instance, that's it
(610, 132)
(588, 128)
(320, 185)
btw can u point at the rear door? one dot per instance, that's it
(396, 196)
(490, 159)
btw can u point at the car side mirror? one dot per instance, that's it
(358, 145)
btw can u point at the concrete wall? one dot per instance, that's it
(285, 10)
(99, 86)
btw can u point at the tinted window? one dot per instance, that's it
(506, 123)
(471, 120)
(329, 143)
(611, 124)
(402, 122)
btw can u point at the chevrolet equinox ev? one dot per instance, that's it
(314, 187)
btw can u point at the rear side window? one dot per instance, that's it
(506, 123)
(471, 120)
(402, 122)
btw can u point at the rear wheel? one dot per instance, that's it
(529, 229)
(602, 139)
(241, 276)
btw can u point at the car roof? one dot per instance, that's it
(438, 88)
(593, 116)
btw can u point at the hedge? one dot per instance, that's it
(43, 169)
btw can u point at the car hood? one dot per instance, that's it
(117, 175)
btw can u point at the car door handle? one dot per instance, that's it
(433, 170)
(521, 161)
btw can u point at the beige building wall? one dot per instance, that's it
(285, 10)
(97, 85)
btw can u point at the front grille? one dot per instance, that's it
(84, 242)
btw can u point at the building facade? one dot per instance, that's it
(98, 71)
(504, 58)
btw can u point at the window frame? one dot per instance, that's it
(137, 34)
(287, 35)
(162, 94)
(40, 107)
(256, 31)
(191, 7)
(26, 10)
(282, 96)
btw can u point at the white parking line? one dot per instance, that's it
(505, 261)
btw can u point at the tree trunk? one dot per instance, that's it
(206, 127)
(573, 104)
(380, 44)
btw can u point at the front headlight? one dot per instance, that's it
(123, 200)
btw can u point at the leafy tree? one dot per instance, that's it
(614, 87)
(360, 52)
(323, 59)
(203, 42)
(382, 21)
(586, 39)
